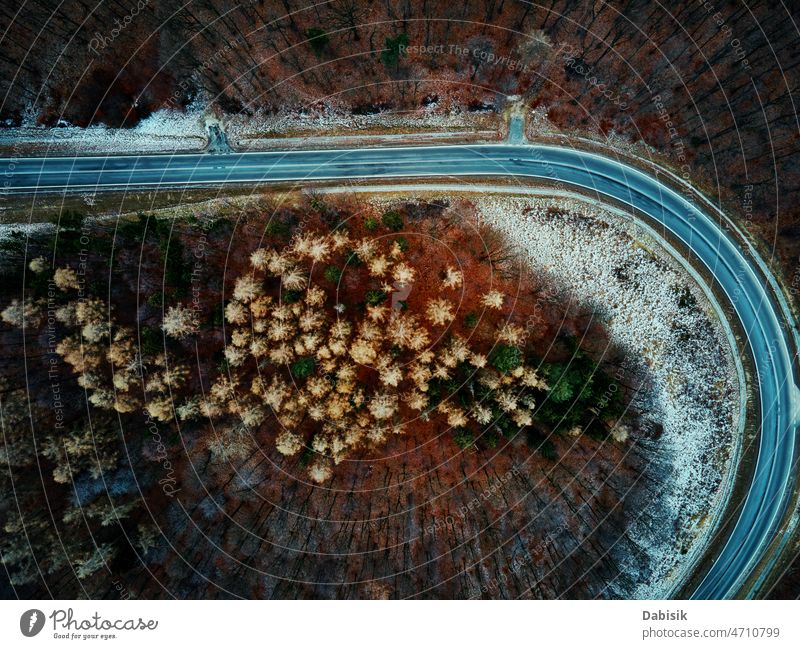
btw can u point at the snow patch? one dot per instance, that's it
(326, 119)
(166, 130)
(656, 312)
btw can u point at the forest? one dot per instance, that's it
(723, 73)
(172, 410)
(316, 410)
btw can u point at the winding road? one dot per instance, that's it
(741, 273)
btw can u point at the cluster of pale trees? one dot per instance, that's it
(105, 356)
(301, 355)
(45, 527)
(350, 371)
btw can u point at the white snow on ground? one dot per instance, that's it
(27, 229)
(329, 120)
(165, 131)
(693, 386)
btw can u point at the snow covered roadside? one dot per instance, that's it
(173, 131)
(262, 130)
(693, 391)
(165, 131)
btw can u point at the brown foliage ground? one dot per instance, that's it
(418, 517)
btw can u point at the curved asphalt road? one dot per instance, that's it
(738, 271)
